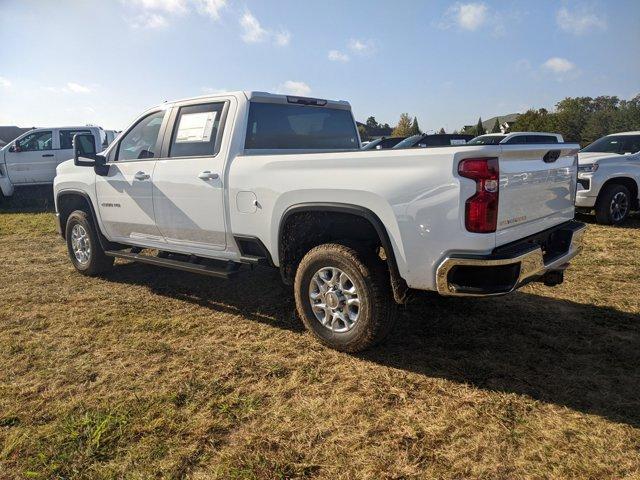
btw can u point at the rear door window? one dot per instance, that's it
(66, 138)
(284, 126)
(196, 131)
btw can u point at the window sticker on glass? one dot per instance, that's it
(196, 127)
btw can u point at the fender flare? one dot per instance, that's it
(398, 284)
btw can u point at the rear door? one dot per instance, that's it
(537, 188)
(188, 182)
(32, 155)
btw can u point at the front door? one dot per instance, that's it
(31, 157)
(188, 182)
(125, 194)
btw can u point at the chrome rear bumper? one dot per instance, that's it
(511, 267)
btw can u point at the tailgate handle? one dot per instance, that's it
(551, 156)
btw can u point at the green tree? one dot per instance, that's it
(403, 129)
(442, 132)
(372, 123)
(415, 128)
(362, 130)
(496, 126)
(469, 130)
(479, 128)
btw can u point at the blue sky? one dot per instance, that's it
(103, 62)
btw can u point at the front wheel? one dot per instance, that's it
(343, 297)
(83, 244)
(613, 205)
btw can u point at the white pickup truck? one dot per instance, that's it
(32, 158)
(609, 176)
(218, 182)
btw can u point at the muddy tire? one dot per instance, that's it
(83, 245)
(343, 297)
(613, 205)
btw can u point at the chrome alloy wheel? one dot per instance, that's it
(619, 206)
(334, 299)
(80, 244)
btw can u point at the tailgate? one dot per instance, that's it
(537, 188)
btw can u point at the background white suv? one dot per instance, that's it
(608, 177)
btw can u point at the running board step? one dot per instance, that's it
(226, 271)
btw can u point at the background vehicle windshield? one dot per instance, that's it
(372, 144)
(619, 144)
(408, 142)
(486, 140)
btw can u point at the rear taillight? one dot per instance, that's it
(481, 210)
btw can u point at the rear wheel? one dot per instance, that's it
(613, 205)
(343, 297)
(83, 245)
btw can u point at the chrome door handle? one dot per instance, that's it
(141, 176)
(208, 175)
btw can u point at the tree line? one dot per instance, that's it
(578, 119)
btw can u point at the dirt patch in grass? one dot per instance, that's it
(150, 373)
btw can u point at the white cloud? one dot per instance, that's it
(282, 38)
(472, 16)
(580, 20)
(361, 47)
(149, 20)
(211, 7)
(253, 31)
(558, 65)
(70, 87)
(295, 88)
(337, 56)
(468, 16)
(155, 14)
(213, 91)
(168, 6)
(77, 88)
(4, 83)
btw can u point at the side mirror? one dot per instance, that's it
(13, 148)
(84, 150)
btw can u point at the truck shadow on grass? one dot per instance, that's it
(581, 356)
(36, 199)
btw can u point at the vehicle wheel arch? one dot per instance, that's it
(67, 201)
(288, 262)
(629, 182)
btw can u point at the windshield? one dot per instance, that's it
(372, 144)
(408, 142)
(619, 144)
(486, 140)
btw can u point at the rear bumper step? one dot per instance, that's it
(224, 270)
(511, 266)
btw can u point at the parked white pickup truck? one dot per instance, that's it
(218, 182)
(609, 176)
(32, 158)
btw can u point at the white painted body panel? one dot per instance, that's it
(416, 193)
(610, 167)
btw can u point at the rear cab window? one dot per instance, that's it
(275, 126)
(66, 138)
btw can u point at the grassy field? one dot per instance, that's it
(152, 373)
